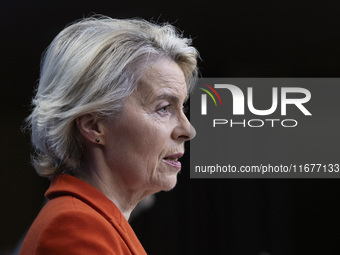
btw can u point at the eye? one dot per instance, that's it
(164, 109)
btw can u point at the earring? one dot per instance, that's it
(97, 140)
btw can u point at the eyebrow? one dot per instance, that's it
(171, 98)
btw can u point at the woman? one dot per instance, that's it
(108, 128)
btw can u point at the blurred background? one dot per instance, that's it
(235, 39)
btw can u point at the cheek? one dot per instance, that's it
(150, 145)
(146, 133)
(139, 143)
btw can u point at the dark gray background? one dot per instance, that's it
(314, 140)
(236, 39)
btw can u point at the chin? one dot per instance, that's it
(169, 183)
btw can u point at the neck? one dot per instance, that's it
(113, 188)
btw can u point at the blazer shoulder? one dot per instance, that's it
(69, 226)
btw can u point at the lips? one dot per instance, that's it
(172, 160)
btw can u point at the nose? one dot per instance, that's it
(183, 131)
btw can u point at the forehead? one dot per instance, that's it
(162, 78)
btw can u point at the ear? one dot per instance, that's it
(90, 129)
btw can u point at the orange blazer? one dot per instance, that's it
(79, 219)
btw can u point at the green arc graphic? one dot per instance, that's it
(210, 95)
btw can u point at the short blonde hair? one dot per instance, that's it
(91, 67)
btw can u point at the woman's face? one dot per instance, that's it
(143, 145)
